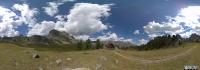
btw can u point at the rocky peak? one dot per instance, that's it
(60, 37)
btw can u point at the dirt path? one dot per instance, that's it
(143, 60)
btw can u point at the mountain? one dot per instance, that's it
(36, 39)
(60, 37)
(118, 44)
(54, 37)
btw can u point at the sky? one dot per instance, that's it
(135, 21)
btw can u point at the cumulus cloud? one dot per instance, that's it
(136, 32)
(185, 23)
(157, 29)
(52, 7)
(42, 29)
(85, 19)
(143, 41)
(27, 14)
(8, 23)
(10, 20)
(84, 37)
(107, 37)
(113, 37)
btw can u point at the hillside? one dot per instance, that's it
(15, 57)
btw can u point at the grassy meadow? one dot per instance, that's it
(13, 57)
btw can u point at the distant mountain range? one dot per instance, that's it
(62, 38)
(56, 38)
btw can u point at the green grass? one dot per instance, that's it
(157, 53)
(13, 57)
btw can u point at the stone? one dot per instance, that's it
(116, 61)
(98, 67)
(40, 68)
(69, 59)
(35, 56)
(59, 61)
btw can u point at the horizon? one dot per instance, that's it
(134, 21)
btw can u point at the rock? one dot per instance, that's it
(116, 61)
(69, 59)
(35, 56)
(40, 68)
(59, 61)
(36, 39)
(98, 67)
(60, 37)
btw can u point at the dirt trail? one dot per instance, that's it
(143, 60)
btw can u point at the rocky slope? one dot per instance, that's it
(54, 37)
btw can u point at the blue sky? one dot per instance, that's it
(126, 16)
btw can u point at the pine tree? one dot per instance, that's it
(98, 44)
(80, 45)
(88, 44)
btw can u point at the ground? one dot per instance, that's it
(13, 57)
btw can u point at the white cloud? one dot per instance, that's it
(42, 29)
(83, 37)
(107, 37)
(112, 37)
(27, 14)
(143, 41)
(187, 34)
(136, 32)
(52, 7)
(156, 29)
(185, 23)
(85, 19)
(7, 23)
(7, 29)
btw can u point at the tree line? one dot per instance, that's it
(88, 44)
(162, 42)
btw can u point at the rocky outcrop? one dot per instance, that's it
(117, 44)
(54, 37)
(60, 37)
(36, 39)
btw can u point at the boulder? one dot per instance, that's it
(59, 61)
(35, 56)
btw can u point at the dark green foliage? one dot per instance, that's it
(162, 42)
(88, 44)
(98, 44)
(80, 45)
(194, 38)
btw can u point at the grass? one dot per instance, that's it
(157, 53)
(13, 57)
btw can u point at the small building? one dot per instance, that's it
(109, 46)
